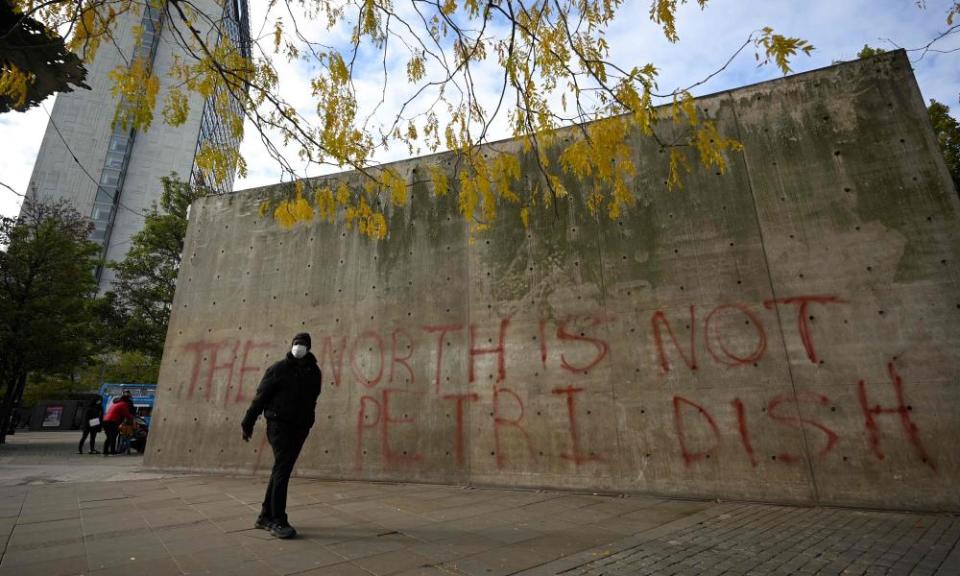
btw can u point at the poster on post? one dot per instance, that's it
(52, 417)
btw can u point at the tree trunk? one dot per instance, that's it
(15, 386)
(6, 408)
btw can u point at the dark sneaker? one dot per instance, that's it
(282, 530)
(262, 523)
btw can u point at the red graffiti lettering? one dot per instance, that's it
(499, 350)
(575, 455)
(248, 347)
(678, 421)
(402, 360)
(458, 442)
(659, 318)
(386, 421)
(543, 343)
(362, 425)
(744, 431)
(441, 332)
(799, 422)
(902, 409)
(499, 422)
(336, 357)
(714, 337)
(198, 348)
(601, 345)
(215, 367)
(376, 353)
(803, 325)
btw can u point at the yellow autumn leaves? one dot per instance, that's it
(15, 85)
(550, 52)
(327, 202)
(137, 86)
(598, 156)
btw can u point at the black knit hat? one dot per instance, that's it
(302, 338)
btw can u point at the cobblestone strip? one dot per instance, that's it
(755, 540)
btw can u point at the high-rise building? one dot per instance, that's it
(111, 173)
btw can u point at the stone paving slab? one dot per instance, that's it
(175, 526)
(203, 525)
(180, 525)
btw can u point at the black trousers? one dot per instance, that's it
(112, 430)
(287, 441)
(92, 432)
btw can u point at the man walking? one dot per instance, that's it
(287, 398)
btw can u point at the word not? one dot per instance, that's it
(716, 342)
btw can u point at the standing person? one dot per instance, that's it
(125, 431)
(91, 425)
(287, 398)
(120, 411)
(127, 397)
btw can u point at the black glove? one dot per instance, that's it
(247, 431)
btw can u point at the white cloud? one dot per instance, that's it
(20, 136)
(838, 29)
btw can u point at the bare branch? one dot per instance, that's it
(10, 188)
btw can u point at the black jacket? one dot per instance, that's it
(92, 411)
(287, 393)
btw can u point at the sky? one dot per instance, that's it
(837, 28)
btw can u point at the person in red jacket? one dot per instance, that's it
(120, 411)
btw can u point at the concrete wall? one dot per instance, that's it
(785, 332)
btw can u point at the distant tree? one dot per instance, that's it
(945, 126)
(34, 61)
(868, 51)
(146, 279)
(947, 130)
(127, 367)
(46, 387)
(46, 289)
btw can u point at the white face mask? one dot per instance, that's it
(298, 350)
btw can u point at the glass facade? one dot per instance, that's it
(214, 132)
(107, 201)
(235, 25)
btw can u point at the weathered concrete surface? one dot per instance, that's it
(784, 332)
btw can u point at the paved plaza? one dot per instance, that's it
(65, 514)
